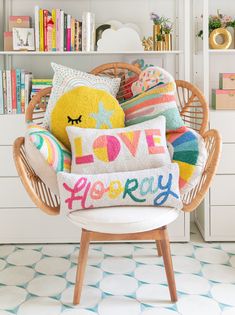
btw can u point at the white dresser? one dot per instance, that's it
(20, 220)
(216, 216)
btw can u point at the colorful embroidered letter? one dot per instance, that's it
(115, 189)
(79, 158)
(146, 185)
(106, 148)
(78, 187)
(97, 190)
(131, 140)
(153, 138)
(129, 188)
(163, 196)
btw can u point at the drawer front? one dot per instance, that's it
(222, 222)
(223, 190)
(13, 194)
(227, 162)
(7, 168)
(223, 121)
(11, 127)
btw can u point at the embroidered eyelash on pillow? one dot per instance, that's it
(121, 149)
(153, 187)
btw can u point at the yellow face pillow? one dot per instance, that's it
(85, 107)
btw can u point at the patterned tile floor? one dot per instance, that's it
(121, 279)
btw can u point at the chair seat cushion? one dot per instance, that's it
(121, 220)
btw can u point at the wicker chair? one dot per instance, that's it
(194, 112)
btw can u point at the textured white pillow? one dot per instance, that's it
(153, 187)
(132, 148)
(66, 79)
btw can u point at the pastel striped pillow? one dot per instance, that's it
(155, 101)
(46, 155)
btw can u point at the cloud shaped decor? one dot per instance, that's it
(124, 39)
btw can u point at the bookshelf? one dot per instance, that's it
(177, 62)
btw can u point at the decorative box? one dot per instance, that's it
(227, 81)
(223, 99)
(19, 21)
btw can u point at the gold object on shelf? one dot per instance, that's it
(225, 34)
(160, 45)
(148, 43)
(168, 41)
(156, 32)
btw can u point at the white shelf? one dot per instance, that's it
(87, 53)
(222, 51)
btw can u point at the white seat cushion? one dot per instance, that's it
(121, 220)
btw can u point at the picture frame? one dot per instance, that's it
(23, 39)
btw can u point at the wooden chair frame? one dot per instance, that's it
(194, 112)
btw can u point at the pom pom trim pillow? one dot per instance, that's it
(46, 155)
(122, 149)
(187, 149)
(65, 79)
(158, 98)
(153, 187)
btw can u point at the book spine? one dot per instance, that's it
(72, 34)
(62, 31)
(68, 44)
(53, 13)
(41, 30)
(76, 35)
(22, 91)
(65, 32)
(18, 90)
(58, 25)
(80, 36)
(4, 84)
(13, 91)
(1, 94)
(50, 26)
(36, 28)
(45, 16)
(9, 95)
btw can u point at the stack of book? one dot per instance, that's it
(57, 31)
(15, 89)
(40, 84)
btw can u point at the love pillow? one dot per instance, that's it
(153, 187)
(132, 148)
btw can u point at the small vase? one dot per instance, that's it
(168, 41)
(160, 45)
(156, 31)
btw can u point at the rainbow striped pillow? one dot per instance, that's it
(46, 155)
(157, 99)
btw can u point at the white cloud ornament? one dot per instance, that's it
(123, 39)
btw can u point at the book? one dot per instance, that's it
(80, 36)
(61, 30)
(53, 13)
(22, 91)
(49, 30)
(72, 34)
(45, 16)
(68, 33)
(8, 91)
(18, 91)
(65, 31)
(18, 22)
(1, 94)
(58, 26)
(41, 30)
(13, 91)
(4, 84)
(36, 28)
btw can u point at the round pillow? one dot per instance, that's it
(85, 107)
(187, 149)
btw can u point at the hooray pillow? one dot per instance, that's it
(157, 97)
(153, 187)
(187, 149)
(65, 79)
(46, 155)
(115, 150)
(87, 108)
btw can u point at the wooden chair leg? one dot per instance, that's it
(165, 246)
(82, 260)
(159, 248)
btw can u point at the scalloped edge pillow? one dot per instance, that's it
(187, 149)
(47, 155)
(154, 187)
(65, 79)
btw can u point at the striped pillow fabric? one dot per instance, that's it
(155, 101)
